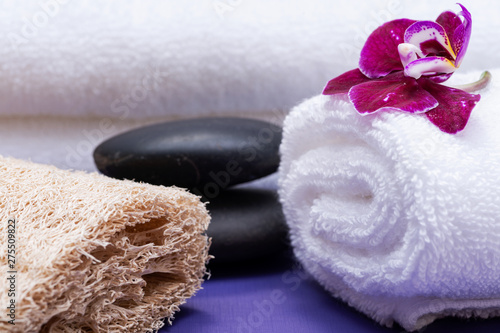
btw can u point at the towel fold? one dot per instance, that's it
(94, 253)
(64, 142)
(392, 215)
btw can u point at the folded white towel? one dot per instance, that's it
(148, 58)
(392, 215)
(151, 60)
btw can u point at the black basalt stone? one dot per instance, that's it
(204, 154)
(246, 224)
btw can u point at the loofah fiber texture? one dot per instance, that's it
(395, 217)
(95, 254)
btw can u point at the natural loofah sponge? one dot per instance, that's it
(94, 254)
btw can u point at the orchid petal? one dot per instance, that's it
(429, 66)
(454, 109)
(430, 37)
(439, 78)
(408, 53)
(450, 22)
(379, 55)
(461, 36)
(395, 91)
(342, 84)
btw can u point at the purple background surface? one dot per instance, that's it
(276, 296)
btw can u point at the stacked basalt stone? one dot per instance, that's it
(209, 156)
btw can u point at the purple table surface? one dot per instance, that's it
(275, 297)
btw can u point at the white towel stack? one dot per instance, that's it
(141, 61)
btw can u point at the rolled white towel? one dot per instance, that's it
(395, 217)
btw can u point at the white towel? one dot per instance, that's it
(146, 58)
(399, 219)
(156, 60)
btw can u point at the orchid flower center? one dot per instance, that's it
(431, 50)
(426, 51)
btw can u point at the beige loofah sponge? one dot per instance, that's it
(94, 254)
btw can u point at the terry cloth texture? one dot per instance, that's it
(397, 218)
(94, 254)
(151, 58)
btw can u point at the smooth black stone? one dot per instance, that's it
(204, 154)
(246, 224)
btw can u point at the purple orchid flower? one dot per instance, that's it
(401, 65)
